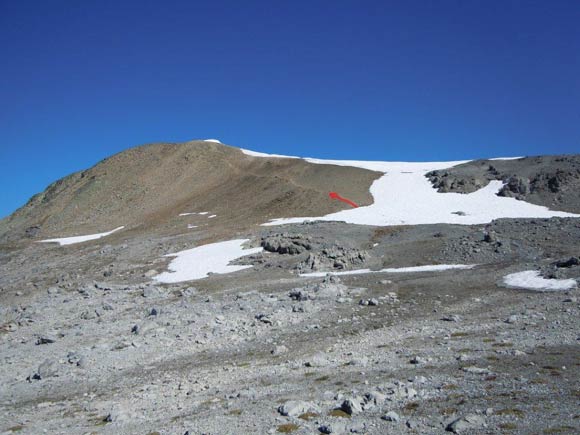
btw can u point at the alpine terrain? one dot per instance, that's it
(199, 288)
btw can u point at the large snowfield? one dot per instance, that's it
(404, 196)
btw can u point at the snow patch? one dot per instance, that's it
(212, 216)
(258, 154)
(185, 214)
(203, 212)
(199, 262)
(412, 269)
(189, 226)
(212, 140)
(79, 239)
(532, 280)
(508, 158)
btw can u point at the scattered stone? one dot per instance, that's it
(294, 408)
(476, 370)
(391, 416)
(375, 397)
(418, 360)
(264, 319)
(570, 262)
(352, 406)
(402, 392)
(45, 340)
(465, 424)
(451, 318)
(47, 369)
(152, 292)
(279, 350)
(317, 360)
(512, 319)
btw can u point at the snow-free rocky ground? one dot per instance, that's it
(93, 342)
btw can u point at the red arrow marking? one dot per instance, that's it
(334, 195)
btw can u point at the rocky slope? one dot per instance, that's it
(147, 187)
(91, 343)
(551, 181)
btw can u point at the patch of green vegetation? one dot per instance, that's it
(502, 345)
(449, 411)
(322, 378)
(488, 340)
(459, 334)
(308, 416)
(100, 421)
(235, 412)
(411, 406)
(512, 411)
(154, 433)
(338, 413)
(538, 381)
(16, 428)
(560, 429)
(308, 374)
(287, 428)
(492, 358)
(508, 426)
(449, 387)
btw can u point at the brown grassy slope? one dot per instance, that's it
(145, 188)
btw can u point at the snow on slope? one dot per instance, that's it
(404, 196)
(259, 154)
(532, 280)
(79, 239)
(199, 262)
(412, 269)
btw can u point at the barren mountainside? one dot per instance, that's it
(423, 313)
(148, 186)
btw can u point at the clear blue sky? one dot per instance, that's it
(389, 80)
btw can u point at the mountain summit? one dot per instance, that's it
(146, 188)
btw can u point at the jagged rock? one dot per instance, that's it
(516, 187)
(47, 369)
(466, 423)
(570, 262)
(391, 416)
(286, 244)
(335, 257)
(353, 405)
(294, 408)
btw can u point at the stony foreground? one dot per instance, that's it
(89, 345)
